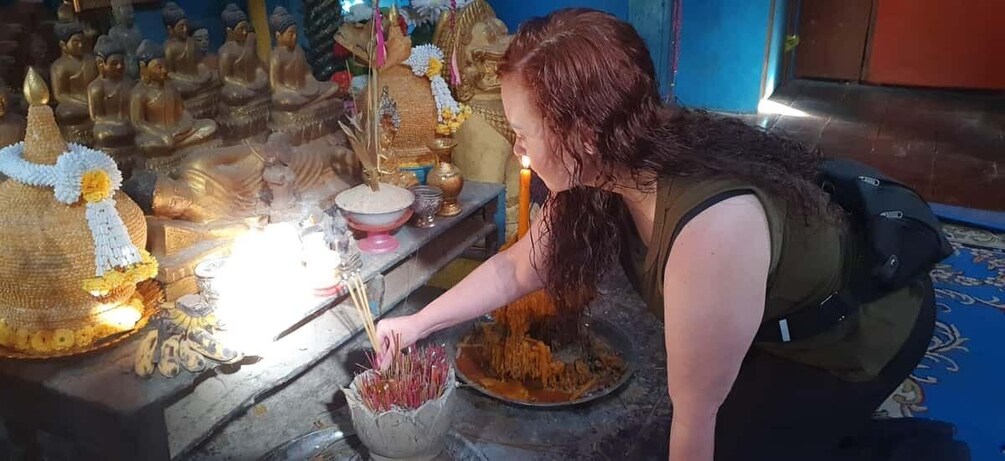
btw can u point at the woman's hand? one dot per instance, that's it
(408, 329)
(502, 279)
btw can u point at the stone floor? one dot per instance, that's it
(631, 423)
(949, 145)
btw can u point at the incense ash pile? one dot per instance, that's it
(521, 356)
(414, 377)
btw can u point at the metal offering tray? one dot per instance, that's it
(613, 336)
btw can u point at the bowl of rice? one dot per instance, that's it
(379, 208)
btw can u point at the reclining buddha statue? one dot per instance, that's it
(198, 84)
(165, 131)
(244, 99)
(196, 212)
(301, 106)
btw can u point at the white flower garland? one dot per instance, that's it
(419, 62)
(112, 247)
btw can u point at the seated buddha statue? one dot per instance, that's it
(108, 99)
(244, 98)
(70, 74)
(66, 13)
(165, 131)
(301, 105)
(12, 124)
(127, 33)
(197, 83)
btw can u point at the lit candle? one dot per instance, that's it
(523, 218)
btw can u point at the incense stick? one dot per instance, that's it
(369, 311)
(358, 293)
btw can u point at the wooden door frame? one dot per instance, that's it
(792, 28)
(863, 75)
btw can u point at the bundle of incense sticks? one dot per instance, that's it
(357, 290)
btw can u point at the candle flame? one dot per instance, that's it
(525, 161)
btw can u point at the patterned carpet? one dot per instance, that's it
(960, 379)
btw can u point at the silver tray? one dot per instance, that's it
(332, 444)
(612, 335)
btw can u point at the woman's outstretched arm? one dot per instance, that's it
(505, 277)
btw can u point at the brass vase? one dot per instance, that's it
(446, 176)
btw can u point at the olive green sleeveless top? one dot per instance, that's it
(809, 261)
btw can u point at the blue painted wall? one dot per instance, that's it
(723, 45)
(513, 12)
(207, 12)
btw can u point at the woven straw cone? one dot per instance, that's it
(48, 249)
(417, 109)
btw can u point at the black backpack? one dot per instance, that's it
(900, 241)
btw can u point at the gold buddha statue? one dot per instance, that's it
(165, 131)
(66, 13)
(70, 74)
(301, 106)
(12, 124)
(127, 33)
(195, 213)
(244, 99)
(108, 101)
(484, 149)
(197, 83)
(390, 122)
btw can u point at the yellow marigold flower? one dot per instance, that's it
(84, 336)
(435, 68)
(7, 334)
(62, 339)
(103, 331)
(97, 286)
(442, 129)
(95, 186)
(22, 339)
(41, 341)
(454, 126)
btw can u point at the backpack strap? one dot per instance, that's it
(809, 321)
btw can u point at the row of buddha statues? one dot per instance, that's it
(180, 102)
(198, 195)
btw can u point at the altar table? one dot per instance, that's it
(94, 407)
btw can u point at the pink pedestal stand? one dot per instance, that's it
(378, 238)
(337, 289)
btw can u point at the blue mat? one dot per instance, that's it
(992, 220)
(961, 378)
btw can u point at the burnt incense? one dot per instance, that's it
(413, 378)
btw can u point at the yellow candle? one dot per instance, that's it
(523, 218)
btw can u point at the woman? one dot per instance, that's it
(720, 225)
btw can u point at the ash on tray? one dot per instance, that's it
(528, 355)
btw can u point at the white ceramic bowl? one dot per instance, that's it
(375, 209)
(376, 219)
